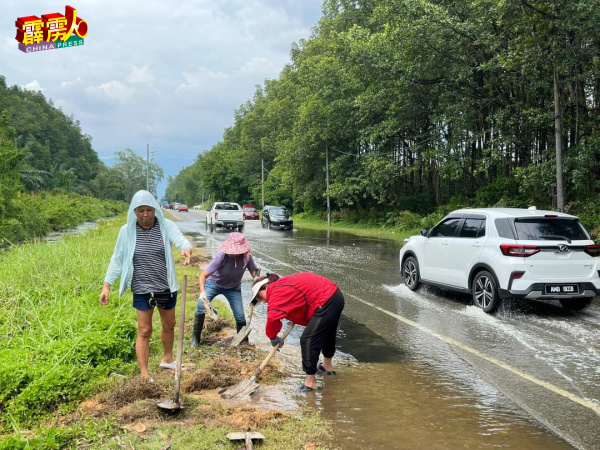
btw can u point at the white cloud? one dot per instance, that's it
(141, 75)
(70, 83)
(151, 71)
(259, 66)
(114, 90)
(33, 86)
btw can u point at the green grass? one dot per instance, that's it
(391, 233)
(57, 341)
(58, 346)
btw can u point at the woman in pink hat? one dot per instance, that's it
(224, 276)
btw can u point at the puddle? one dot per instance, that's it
(382, 398)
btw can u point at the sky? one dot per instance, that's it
(167, 74)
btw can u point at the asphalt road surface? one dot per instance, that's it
(536, 360)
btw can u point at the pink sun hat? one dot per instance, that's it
(236, 244)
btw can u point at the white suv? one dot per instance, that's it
(496, 253)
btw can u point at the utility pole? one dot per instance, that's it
(560, 190)
(148, 167)
(262, 181)
(327, 183)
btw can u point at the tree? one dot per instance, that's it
(132, 171)
(10, 160)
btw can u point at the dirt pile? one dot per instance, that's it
(219, 373)
(216, 325)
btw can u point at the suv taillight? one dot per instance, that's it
(519, 250)
(216, 216)
(592, 250)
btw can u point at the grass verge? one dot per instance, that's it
(390, 233)
(68, 375)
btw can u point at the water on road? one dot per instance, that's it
(427, 368)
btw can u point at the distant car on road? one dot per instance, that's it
(498, 253)
(277, 217)
(250, 213)
(225, 216)
(197, 207)
(183, 208)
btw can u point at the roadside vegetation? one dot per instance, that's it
(68, 372)
(32, 216)
(412, 104)
(398, 225)
(50, 176)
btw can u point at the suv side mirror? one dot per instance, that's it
(425, 232)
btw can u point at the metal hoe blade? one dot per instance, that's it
(245, 331)
(169, 405)
(210, 312)
(246, 437)
(244, 387)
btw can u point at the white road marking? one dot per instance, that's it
(563, 393)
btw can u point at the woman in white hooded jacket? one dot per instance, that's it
(144, 261)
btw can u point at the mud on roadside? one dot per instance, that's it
(209, 368)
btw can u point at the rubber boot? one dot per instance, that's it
(238, 327)
(197, 333)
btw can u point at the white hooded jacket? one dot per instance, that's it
(121, 263)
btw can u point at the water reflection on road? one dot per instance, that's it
(401, 387)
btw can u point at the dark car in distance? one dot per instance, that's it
(277, 217)
(250, 213)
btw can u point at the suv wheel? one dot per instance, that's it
(484, 291)
(410, 271)
(576, 304)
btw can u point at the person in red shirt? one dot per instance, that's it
(309, 300)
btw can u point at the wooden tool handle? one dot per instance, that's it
(274, 349)
(180, 340)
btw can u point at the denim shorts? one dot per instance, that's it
(141, 302)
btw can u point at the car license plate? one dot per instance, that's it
(562, 289)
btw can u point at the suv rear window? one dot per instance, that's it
(550, 229)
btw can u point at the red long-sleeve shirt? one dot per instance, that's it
(296, 298)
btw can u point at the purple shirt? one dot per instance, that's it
(226, 271)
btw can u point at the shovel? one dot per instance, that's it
(247, 437)
(245, 331)
(210, 312)
(173, 405)
(247, 387)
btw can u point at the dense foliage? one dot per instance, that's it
(57, 341)
(37, 214)
(55, 154)
(42, 148)
(50, 176)
(417, 102)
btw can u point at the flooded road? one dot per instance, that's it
(427, 368)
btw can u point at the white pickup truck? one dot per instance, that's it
(225, 216)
